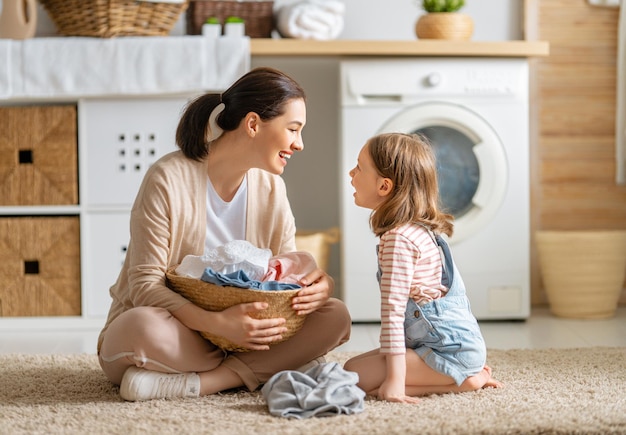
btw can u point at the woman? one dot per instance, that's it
(224, 184)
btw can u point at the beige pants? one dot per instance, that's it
(152, 338)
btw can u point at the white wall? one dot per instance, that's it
(312, 176)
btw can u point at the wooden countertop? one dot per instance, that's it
(300, 47)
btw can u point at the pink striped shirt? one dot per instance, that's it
(411, 267)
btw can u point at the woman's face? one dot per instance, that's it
(280, 137)
(367, 182)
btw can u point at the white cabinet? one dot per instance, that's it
(120, 100)
(118, 140)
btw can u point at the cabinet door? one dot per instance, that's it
(39, 266)
(38, 155)
(105, 240)
(120, 139)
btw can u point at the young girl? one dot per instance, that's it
(430, 341)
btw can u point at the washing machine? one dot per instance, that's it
(475, 113)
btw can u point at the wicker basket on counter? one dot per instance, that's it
(109, 18)
(213, 297)
(258, 16)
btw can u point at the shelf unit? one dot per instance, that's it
(117, 140)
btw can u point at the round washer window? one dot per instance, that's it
(473, 169)
(457, 168)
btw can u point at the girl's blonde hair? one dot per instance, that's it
(407, 160)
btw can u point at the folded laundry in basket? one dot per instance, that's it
(230, 257)
(290, 267)
(241, 280)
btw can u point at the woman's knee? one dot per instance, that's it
(336, 312)
(331, 323)
(138, 326)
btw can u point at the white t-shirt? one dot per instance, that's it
(226, 221)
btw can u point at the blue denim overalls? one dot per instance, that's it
(444, 332)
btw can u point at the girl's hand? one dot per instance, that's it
(393, 387)
(236, 325)
(392, 393)
(317, 288)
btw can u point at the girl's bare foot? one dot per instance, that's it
(491, 381)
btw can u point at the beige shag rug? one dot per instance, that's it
(553, 391)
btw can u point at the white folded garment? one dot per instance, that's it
(233, 256)
(77, 67)
(311, 19)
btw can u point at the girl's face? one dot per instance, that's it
(370, 187)
(280, 137)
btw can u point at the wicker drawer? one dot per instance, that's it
(40, 266)
(38, 155)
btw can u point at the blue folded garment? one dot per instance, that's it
(240, 279)
(321, 391)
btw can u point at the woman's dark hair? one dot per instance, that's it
(264, 91)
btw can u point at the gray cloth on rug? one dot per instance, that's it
(321, 391)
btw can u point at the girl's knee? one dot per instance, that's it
(349, 365)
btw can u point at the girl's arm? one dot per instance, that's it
(393, 387)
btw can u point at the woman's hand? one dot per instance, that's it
(236, 325)
(318, 286)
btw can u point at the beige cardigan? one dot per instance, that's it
(168, 222)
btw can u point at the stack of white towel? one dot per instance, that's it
(311, 19)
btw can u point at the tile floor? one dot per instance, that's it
(541, 330)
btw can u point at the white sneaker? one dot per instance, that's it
(141, 384)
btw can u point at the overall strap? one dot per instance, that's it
(447, 275)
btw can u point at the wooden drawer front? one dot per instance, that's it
(40, 266)
(38, 155)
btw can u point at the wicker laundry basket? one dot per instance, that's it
(217, 298)
(318, 244)
(258, 16)
(583, 271)
(109, 18)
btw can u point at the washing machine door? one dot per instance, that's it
(471, 162)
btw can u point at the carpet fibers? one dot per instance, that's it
(548, 391)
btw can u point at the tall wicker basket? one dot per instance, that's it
(583, 271)
(109, 18)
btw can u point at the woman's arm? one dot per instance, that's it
(235, 324)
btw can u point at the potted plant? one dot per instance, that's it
(443, 21)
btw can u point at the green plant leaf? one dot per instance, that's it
(234, 20)
(442, 5)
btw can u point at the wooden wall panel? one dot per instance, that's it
(573, 122)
